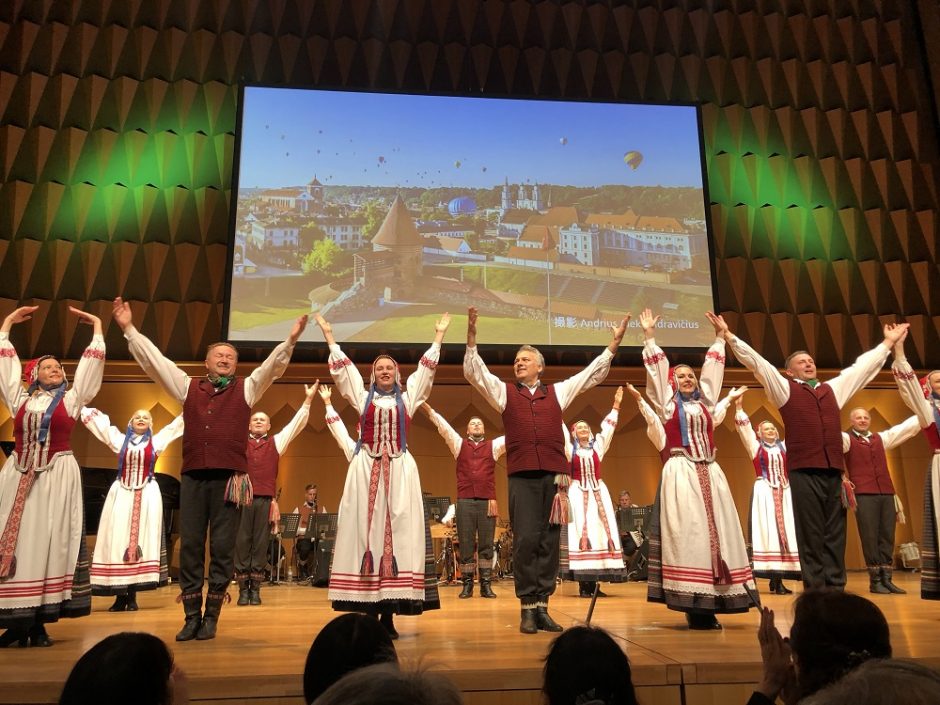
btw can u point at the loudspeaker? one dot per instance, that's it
(321, 574)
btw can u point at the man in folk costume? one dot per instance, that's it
(878, 508)
(923, 398)
(43, 559)
(382, 562)
(130, 550)
(774, 552)
(254, 524)
(476, 510)
(810, 411)
(216, 411)
(536, 463)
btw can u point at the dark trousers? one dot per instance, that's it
(203, 510)
(535, 541)
(876, 523)
(306, 555)
(820, 525)
(251, 541)
(474, 527)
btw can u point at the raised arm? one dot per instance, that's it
(475, 371)
(169, 433)
(606, 433)
(451, 437)
(911, 391)
(419, 383)
(721, 408)
(742, 424)
(160, 369)
(283, 438)
(897, 434)
(867, 365)
(336, 425)
(11, 370)
(595, 373)
(499, 447)
(90, 371)
(99, 425)
(263, 376)
(654, 425)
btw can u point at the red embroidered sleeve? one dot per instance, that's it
(427, 362)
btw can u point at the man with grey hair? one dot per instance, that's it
(535, 461)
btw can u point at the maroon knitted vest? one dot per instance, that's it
(475, 470)
(814, 436)
(215, 421)
(867, 465)
(533, 424)
(263, 460)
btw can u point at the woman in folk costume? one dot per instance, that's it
(379, 563)
(698, 559)
(772, 530)
(130, 553)
(594, 551)
(43, 560)
(923, 398)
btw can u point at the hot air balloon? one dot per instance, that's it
(462, 205)
(563, 141)
(381, 160)
(633, 159)
(457, 163)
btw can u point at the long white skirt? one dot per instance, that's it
(681, 571)
(351, 585)
(51, 577)
(109, 573)
(597, 560)
(770, 559)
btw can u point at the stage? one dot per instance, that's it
(259, 654)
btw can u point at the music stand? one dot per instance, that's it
(289, 525)
(325, 525)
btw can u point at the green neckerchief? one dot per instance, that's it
(220, 382)
(813, 383)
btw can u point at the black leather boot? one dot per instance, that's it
(120, 604)
(244, 588)
(467, 591)
(14, 635)
(529, 624)
(586, 588)
(702, 621)
(38, 636)
(387, 620)
(886, 574)
(254, 592)
(874, 581)
(782, 589)
(210, 619)
(486, 590)
(192, 611)
(544, 620)
(132, 599)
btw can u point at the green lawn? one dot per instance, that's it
(264, 315)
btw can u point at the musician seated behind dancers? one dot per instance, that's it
(254, 524)
(594, 550)
(130, 554)
(772, 532)
(306, 544)
(476, 497)
(625, 501)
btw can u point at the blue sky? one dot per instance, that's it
(290, 135)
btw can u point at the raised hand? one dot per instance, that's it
(298, 328)
(23, 313)
(121, 312)
(718, 322)
(326, 394)
(617, 333)
(310, 390)
(737, 394)
(634, 392)
(325, 326)
(472, 326)
(89, 318)
(618, 397)
(443, 324)
(648, 322)
(895, 333)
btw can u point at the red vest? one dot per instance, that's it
(867, 465)
(375, 433)
(58, 440)
(263, 460)
(534, 439)
(475, 470)
(814, 436)
(702, 442)
(577, 463)
(215, 421)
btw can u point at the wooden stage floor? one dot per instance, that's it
(259, 654)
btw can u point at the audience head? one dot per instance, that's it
(882, 681)
(586, 664)
(349, 642)
(833, 633)
(384, 684)
(131, 667)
